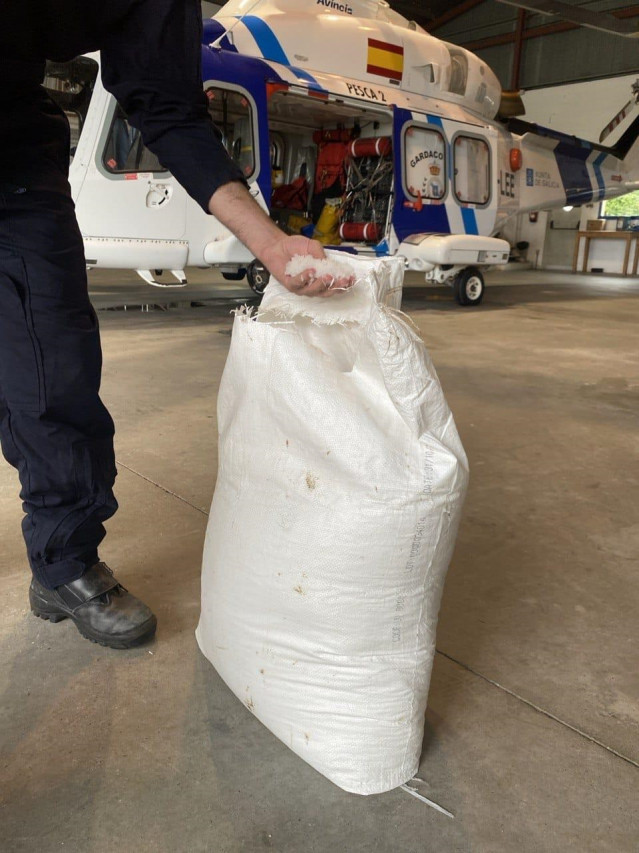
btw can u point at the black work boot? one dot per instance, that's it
(103, 611)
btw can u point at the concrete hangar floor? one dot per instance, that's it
(532, 733)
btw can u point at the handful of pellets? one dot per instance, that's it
(321, 266)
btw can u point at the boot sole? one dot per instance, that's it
(123, 641)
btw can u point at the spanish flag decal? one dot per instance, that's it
(384, 59)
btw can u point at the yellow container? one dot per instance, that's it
(296, 222)
(327, 228)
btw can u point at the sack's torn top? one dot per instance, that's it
(376, 280)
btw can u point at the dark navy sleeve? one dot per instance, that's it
(151, 63)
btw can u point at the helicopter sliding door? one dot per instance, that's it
(444, 176)
(125, 192)
(131, 209)
(473, 174)
(422, 174)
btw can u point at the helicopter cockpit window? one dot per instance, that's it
(232, 115)
(424, 162)
(70, 84)
(472, 170)
(124, 151)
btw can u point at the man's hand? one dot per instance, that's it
(234, 206)
(276, 257)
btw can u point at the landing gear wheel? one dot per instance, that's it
(258, 277)
(469, 286)
(238, 275)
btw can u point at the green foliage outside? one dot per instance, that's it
(625, 205)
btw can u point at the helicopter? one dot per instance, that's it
(351, 124)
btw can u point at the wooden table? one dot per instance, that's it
(628, 236)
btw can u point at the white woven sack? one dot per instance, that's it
(340, 484)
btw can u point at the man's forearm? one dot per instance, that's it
(233, 206)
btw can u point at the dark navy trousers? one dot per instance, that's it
(54, 429)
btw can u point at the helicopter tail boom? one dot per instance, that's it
(627, 149)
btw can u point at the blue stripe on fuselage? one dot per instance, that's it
(571, 160)
(600, 178)
(470, 220)
(271, 48)
(265, 39)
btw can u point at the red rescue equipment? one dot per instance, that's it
(292, 196)
(374, 146)
(360, 231)
(332, 152)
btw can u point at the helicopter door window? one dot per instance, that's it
(124, 151)
(232, 115)
(424, 162)
(472, 170)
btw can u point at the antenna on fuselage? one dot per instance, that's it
(226, 33)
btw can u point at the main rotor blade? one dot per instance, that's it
(578, 15)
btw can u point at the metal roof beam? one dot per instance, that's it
(452, 14)
(544, 30)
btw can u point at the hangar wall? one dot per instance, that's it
(209, 9)
(553, 52)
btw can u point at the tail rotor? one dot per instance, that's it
(623, 113)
